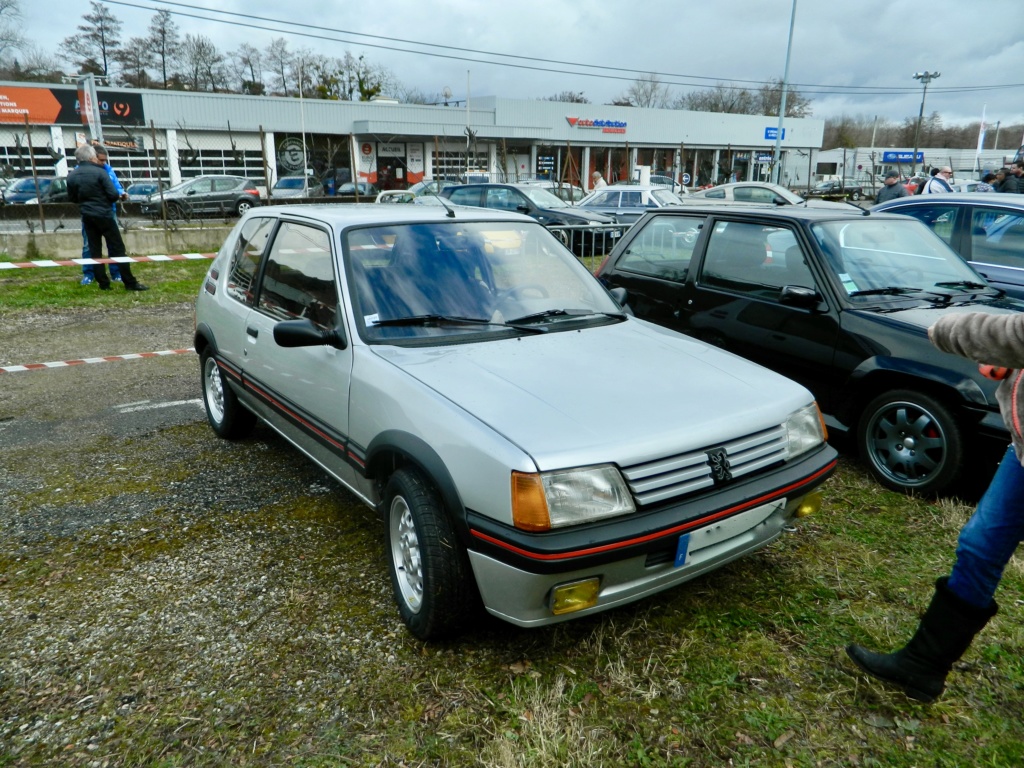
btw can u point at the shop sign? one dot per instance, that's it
(52, 106)
(605, 126)
(902, 157)
(771, 133)
(391, 150)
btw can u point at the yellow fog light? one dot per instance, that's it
(810, 504)
(576, 596)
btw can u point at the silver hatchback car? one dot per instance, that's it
(530, 447)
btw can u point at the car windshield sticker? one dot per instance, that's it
(847, 282)
(370, 320)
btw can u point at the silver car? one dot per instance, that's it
(529, 446)
(628, 202)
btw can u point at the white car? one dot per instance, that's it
(529, 445)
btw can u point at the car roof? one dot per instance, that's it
(770, 211)
(640, 187)
(354, 214)
(961, 198)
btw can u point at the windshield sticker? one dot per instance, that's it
(847, 282)
(370, 320)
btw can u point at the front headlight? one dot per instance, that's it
(805, 430)
(549, 500)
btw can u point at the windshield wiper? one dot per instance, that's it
(890, 290)
(437, 319)
(548, 313)
(970, 285)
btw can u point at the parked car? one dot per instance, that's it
(50, 189)
(333, 178)
(296, 186)
(365, 189)
(749, 192)
(672, 184)
(444, 384)
(570, 193)
(835, 188)
(985, 228)
(140, 191)
(628, 202)
(839, 301)
(544, 207)
(205, 195)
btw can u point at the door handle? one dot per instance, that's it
(254, 332)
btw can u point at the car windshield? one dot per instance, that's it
(872, 257)
(544, 199)
(456, 281)
(289, 182)
(29, 185)
(666, 197)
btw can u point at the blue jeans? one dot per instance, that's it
(87, 271)
(991, 535)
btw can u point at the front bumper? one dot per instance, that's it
(516, 579)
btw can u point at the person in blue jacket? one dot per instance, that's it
(88, 275)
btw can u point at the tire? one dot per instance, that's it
(227, 416)
(175, 211)
(911, 442)
(430, 573)
(855, 195)
(242, 207)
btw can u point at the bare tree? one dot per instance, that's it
(164, 40)
(93, 48)
(32, 65)
(135, 57)
(279, 61)
(718, 98)
(247, 64)
(202, 63)
(11, 37)
(413, 95)
(569, 97)
(646, 91)
(768, 99)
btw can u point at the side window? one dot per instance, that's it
(997, 237)
(298, 281)
(736, 258)
(605, 198)
(715, 194)
(200, 187)
(631, 199)
(663, 248)
(467, 196)
(500, 198)
(223, 185)
(940, 218)
(245, 259)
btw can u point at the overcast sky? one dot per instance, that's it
(853, 57)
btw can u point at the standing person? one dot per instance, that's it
(87, 270)
(1005, 181)
(892, 188)
(985, 185)
(91, 187)
(598, 180)
(1017, 169)
(939, 183)
(963, 602)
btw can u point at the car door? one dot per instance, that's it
(225, 189)
(993, 242)
(197, 195)
(735, 300)
(304, 390)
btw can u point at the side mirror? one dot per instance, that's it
(523, 208)
(619, 294)
(302, 333)
(799, 296)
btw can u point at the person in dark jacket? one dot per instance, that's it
(892, 189)
(963, 602)
(90, 186)
(1005, 181)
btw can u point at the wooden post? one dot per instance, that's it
(35, 178)
(159, 176)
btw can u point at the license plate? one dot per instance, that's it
(615, 233)
(682, 548)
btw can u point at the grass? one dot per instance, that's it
(258, 630)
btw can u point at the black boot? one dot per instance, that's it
(946, 631)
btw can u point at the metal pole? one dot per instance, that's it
(925, 78)
(777, 157)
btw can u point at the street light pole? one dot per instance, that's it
(777, 158)
(925, 78)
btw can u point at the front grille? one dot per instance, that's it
(673, 476)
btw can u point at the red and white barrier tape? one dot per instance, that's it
(117, 260)
(90, 360)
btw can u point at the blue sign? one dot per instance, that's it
(902, 157)
(770, 133)
(764, 157)
(686, 179)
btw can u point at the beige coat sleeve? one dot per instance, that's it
(983, 338)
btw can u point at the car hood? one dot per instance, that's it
(281, 193)
(610, 393)
(582, 215)
(923, 317)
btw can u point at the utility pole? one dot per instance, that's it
(777, 159)
(925, 78)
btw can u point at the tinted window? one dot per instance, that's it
(223, 185)
(501, 198)
(632, 199)
(997, 237)
(663, 248)
(245, 260)
(940, 218)
(605, 198)
(466, 196)
(298, 281)
(199, 187)
(736, 258)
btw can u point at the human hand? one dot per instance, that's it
(994, 372)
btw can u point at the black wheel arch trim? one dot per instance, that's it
(623, 537)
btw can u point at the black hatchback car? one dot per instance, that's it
(985, 228)
(584, 232)
(839, 301)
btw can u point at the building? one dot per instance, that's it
(175, 135)
(865, 163)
